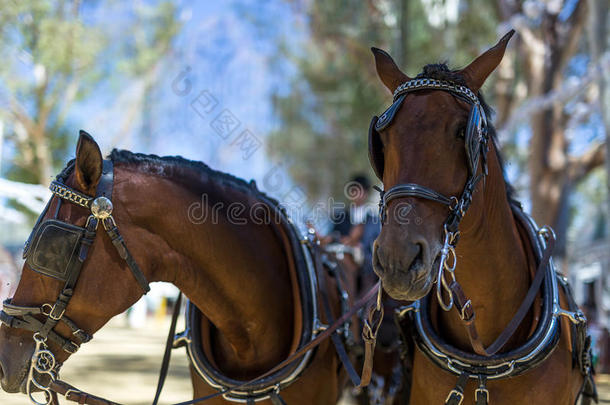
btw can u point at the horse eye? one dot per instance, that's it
(461, 133)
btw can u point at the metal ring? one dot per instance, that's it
(451, 253)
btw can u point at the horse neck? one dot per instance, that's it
(236, 274)
(494, 264)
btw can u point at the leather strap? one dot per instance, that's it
(117, 240)
(276, 399)
(456, 395)
(75, 395)
(464, 306)
(414, 190)
(106, 183)
(335, 338)
(369, 336)
(168, 349)
(481, 394)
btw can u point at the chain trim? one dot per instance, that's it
(71, 195)
(433, 84)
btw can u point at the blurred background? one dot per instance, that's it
(283, 92)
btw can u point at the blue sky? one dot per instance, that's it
(229, 52)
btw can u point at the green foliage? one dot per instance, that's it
(326, 112)
(52, 59)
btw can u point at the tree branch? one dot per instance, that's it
(581, 166)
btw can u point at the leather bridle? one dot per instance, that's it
(476, 139)
(485, 363)
(24, 317)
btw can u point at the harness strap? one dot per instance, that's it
(73, 394)
(32, 324)
(415, 190)
(335, 338)
(467, 313)
(117, 240)
(481, 394)
(372, 323)
(276, 399)
(167, 355)
(456, 395)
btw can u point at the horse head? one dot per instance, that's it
(70, 258)
(429, 149)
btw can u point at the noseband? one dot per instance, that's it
(58, 249)
(476, 143)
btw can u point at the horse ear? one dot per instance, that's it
(476, 73)
(387, 70)
(89, 161)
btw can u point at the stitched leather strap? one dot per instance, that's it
(117, 240)
(467, 314)
(414, 190)
(456, 395)
(73, 394)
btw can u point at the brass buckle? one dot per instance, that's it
(56, 317)
(467, 305)
(71, 347)
(482, 391)
(458, 394)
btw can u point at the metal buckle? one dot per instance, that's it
(458, 394)
(71, 347)
(70, 391)
(482, 391)
(468, 304)
(576, 317)
(56, 317)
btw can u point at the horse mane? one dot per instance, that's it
(440, 71)
(65, 173)
(178, 167)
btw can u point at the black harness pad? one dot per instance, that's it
(53, 248)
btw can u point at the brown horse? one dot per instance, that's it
(417, 148)
(214, 236)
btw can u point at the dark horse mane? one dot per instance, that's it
(440, 71)
(178, 167)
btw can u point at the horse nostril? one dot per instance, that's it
(417, 262)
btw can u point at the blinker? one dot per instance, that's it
(53, 247)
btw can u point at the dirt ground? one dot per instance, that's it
(122, 364)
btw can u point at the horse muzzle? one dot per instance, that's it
(405, 271)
